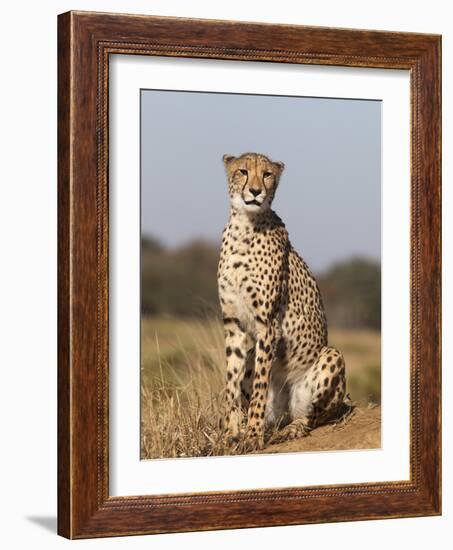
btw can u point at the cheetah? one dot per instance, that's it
(278, 362)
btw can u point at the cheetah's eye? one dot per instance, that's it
(267, 174)
(243, 172)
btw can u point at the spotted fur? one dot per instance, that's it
(279, 364)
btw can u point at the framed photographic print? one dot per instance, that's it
(249, 274)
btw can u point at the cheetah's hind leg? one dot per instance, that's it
(294, 430)
(317, 397)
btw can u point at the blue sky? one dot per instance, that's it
(330, 192)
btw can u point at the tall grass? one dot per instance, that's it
(182, 389)
(182, 384)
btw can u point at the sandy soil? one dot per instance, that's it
(361, 430)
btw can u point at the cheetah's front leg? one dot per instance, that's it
(264, 355)
(237, 345)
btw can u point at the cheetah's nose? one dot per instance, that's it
(255, 192)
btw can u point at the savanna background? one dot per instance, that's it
(329, 198)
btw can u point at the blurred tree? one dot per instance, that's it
(183, 282)
(150, 244)
(180, 282)
(351, 293)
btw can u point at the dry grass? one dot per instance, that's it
(182, 387)
(183, 378)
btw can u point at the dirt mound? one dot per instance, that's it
(360, 430)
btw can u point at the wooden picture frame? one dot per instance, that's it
(85, 42)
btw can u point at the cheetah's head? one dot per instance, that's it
(252, 181)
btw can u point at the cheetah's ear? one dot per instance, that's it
(280, 166)
(227, 159)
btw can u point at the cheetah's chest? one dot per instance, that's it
(234, 277)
